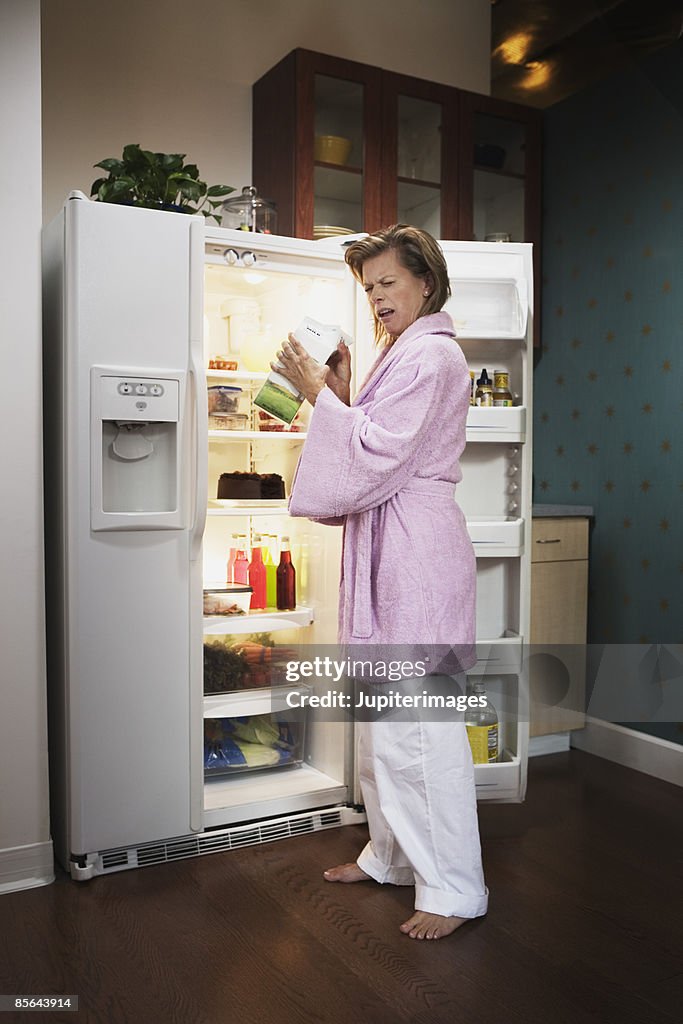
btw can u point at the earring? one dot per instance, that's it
(426, 294)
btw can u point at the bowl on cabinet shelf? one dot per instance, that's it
(332, 149)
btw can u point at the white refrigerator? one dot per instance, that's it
(142, 309)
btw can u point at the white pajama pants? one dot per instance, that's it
(417, 781)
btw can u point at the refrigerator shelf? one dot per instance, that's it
(257, 435)
(496, 536)
(242, 703)
(236, 507)
(258, 622)
(236, 375)
(499, 424)
(263, 794)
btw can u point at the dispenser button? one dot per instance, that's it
(140, 389)
(125, 389)
(156, 390)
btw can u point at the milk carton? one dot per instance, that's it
(278, 396)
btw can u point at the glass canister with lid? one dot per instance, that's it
(250, 212)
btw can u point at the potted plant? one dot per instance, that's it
(158, 181)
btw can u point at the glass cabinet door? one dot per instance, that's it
(338, 151)
(418, 163)
(499, 179)
(500, 165)
(419, 155)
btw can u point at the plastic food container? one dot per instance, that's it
(224, 399)
(229, 421)
(228, 599)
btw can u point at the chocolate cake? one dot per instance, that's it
(251, 486)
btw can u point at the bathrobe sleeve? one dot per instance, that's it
(357, 458)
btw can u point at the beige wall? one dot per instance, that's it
(25, 847)
(151, 74)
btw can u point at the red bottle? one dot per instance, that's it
(286, 579)
(240, 567)
(257, 575)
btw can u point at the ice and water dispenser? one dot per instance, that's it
(136, 459)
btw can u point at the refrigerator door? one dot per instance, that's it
(125, 405)
(491, 307)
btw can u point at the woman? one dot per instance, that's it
(386, 466)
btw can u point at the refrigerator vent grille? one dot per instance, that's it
(217, 841)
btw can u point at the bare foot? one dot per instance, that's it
(346, 873)
(431, 926)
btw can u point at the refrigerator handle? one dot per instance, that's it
(199, 394)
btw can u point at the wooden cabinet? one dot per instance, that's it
(559, 594)
(460, 165)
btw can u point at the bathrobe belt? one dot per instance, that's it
(361, 624)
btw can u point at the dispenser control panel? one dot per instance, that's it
(140, 398)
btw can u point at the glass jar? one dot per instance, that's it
(250, 212)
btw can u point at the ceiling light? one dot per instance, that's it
(514, 49)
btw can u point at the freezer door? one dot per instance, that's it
(125, 610)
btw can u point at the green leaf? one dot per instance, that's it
(171, 161)
(220, 190)
(191, 170)
(132, 153)
(111, 164)
(187, 187)
(96, 185)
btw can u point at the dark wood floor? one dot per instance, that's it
(584, 927)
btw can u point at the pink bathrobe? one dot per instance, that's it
(386, 468)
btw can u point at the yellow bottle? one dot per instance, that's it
(482, 728)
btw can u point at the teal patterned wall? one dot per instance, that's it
(608, 422)
(609, 384)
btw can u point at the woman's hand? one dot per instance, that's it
(339, 377)
(307, 375)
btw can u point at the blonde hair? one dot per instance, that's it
(415, 250)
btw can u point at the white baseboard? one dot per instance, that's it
(25, 867)
(553, 743)
(632, 749)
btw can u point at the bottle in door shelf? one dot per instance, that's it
(257, 576)
(269, 548)
(502, 396)
(240, 567)
(482, 728)
(483, 396)
(286, 579)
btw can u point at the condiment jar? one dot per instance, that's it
(484, 394)
(502, 395)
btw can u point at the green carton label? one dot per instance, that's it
(278, 402)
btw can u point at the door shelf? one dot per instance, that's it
(496, 424)
(257, 622)
(499, 781)
(498, 656)
(242, 703)
(269, 794)
(496, 536)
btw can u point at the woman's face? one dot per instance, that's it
(395, 294)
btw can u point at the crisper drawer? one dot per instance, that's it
(559, 539)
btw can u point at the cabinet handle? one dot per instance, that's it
(555, 540)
